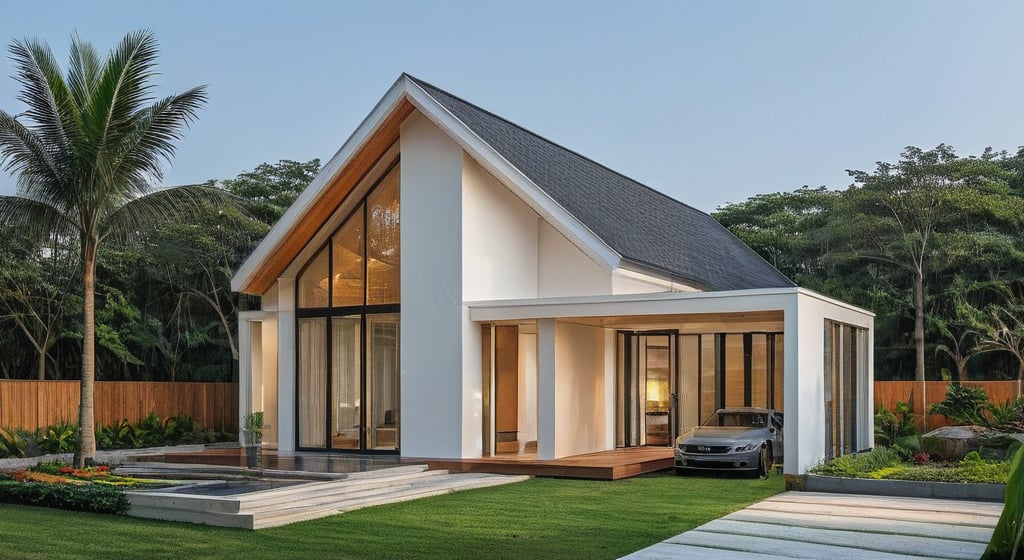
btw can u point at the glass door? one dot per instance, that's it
(647, 403)
(346, 421)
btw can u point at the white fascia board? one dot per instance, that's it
(835, 302)
(324, 177)
(658, 303)
(514, 179)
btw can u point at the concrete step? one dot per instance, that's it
(337, 490)
(280, 506)
(442, 485)
(312, 492)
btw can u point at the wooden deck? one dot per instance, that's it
(838, 526)
(604, 465)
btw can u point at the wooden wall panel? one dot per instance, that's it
(28, 405)
(891, 392)
(506, 379)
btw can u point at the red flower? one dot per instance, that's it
(66, 470)
(103, 468)
(20, 476)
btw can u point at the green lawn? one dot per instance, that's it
(539, 518)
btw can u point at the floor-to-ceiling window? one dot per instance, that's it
(845, 369)
(347, 334)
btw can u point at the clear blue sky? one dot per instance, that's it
(709, 102)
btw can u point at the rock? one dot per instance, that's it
(951, 443)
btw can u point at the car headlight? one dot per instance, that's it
(749, 446)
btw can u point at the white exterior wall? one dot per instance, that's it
(581, 418)
(805, 353)
(564, 270)
(433, 358)
(499, 236)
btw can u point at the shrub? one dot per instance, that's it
(860, 465)
(896, 430)
(58, 438)
(921, 458)
(1007, 416)
(85, 497)
(962, 405)
(12, 444)
(115, 436)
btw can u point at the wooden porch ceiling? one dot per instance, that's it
(759, 321)
(330, 197)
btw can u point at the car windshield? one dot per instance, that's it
(743, 419)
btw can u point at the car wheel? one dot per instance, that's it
(764, 465)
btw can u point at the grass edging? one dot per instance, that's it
(984, 492)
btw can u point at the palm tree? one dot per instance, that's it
(86, 153)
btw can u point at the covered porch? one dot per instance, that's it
(564, 378)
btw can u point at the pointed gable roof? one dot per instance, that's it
(652, 232)
(616, 220)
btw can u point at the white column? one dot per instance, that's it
(546, 389)
(286, 365)
(791, 386)
(244, 371)
(610, 412)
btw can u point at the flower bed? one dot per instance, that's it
(885, 464)
(58, 485)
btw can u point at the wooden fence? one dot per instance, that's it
(890, 392)
(28, 405)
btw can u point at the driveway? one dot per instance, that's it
(838, 526)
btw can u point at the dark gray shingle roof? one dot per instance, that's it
(653, 232)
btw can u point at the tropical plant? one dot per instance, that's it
(1007, 416)
(252, 428)
(86, 152)
(57, 438)
(896, 430)
(1008, 537)
(12, 444)
(115, 436)
(963, 404)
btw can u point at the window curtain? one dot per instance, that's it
(313, 382)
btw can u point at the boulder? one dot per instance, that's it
(951, 443)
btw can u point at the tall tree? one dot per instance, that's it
(35, 284)
(912, 214)
(788, 229)
(86, 152)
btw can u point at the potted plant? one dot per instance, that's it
(252, 432)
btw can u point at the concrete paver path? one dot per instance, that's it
(838, 526)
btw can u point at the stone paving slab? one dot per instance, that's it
(816, 525)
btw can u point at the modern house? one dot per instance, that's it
(452, 285)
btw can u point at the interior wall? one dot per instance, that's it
(580, 422)
(499, 237)
(432, 327)
(689, 386)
